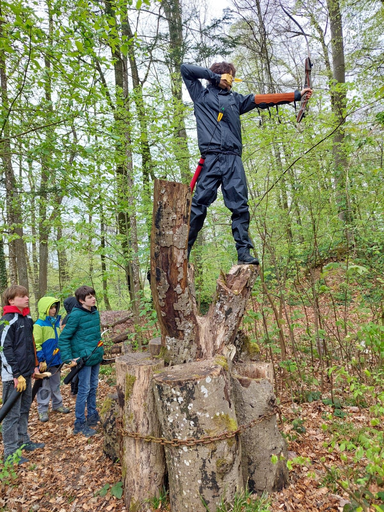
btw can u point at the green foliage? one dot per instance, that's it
(371, 337)
(115, 490)
(298, 461)
(243, 502)
(8, 473)
(298, 425)
(362, 445)
(160, 501)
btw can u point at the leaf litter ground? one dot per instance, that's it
(69, 473)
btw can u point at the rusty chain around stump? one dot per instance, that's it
(191, 441)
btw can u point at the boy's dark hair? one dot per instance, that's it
(16, 290)
(223, 67)
(83, 291)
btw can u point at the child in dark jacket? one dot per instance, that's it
(80, 339)
(46, 332)
(18, 364)
(69, 304)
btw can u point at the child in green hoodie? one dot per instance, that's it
(46, 332)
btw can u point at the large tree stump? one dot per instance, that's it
(197, 395)
(254, 398)
(187, 335)
(143, 463)
(193, 400)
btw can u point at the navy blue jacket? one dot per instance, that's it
(211, 100)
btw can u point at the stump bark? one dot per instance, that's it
(143, 463)
(193, 400)
(109, 413)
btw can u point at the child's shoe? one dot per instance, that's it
(93, 420)
(62, 409)
(43, 416)
(31, 447)
(84, 429)
(11, 459)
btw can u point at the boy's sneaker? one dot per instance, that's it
(31, 447)
(84, 429)
(43, 416)
(62, 409)
(11, 460)
(93, 420)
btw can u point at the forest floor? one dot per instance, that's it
(72, 473)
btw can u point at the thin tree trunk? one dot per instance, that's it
(44, 225)
(126, 188)
(18, 268)
(173, 12)
(340, 102)
(3, 268)
(148, 165)
(104, 265)
(44, 230)
(62, 259)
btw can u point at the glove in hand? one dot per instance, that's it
(21, 384)
(228, 78)
(42, 366)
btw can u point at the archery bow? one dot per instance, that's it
(308, 67)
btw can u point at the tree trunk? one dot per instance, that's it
(62, 259)
(104, 263)
(186, 334)
(172, 9)
(142, 462)
(146, 158)
(192, 401)
(18, 268)
(125, 182)
(109, 414)
(339, 105)
(3, 268)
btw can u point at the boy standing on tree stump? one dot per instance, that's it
(217, 111)
(18, 364)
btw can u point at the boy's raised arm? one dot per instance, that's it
(192, 75)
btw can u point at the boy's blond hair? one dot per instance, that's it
(16, 290)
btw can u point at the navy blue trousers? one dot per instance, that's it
(226, 170)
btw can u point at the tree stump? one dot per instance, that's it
(197, 395)
(187, 335)
(193, 400)
(254, 397)
(143, 463)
